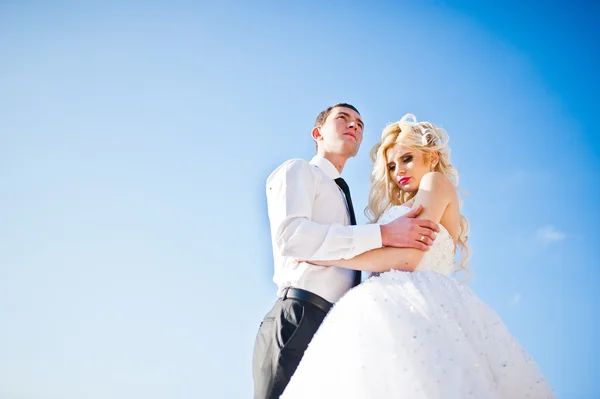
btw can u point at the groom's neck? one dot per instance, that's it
(336, 159)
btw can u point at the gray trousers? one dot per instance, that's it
(282, 338)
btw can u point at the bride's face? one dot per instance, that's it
(406, 167)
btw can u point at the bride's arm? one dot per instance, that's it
(435, 193)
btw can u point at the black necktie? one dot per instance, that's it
(344, 186)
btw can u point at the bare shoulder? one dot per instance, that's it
(437, 189)
(436, 181)
(436, 193)
(444, 194)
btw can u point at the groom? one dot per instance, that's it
(312, 218)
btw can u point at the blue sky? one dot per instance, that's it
(135, 140)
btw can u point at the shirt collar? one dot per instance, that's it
(326, 166)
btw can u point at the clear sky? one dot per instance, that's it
(136, 138)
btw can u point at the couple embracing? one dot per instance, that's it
(410, 330)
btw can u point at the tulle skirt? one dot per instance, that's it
(415, 335)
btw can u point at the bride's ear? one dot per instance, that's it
(434, 159)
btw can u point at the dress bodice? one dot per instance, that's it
(440, 257)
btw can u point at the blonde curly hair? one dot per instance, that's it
(423, 137)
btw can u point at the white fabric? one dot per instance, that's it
(419, 335)
(309, 221)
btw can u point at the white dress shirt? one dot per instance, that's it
(309, 221)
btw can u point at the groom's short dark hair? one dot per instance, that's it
(324, 114)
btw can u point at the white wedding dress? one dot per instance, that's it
(415, 335)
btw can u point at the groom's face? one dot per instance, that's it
(341, 133)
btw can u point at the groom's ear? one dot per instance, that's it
(316, 134)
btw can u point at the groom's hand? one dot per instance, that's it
(409, 232)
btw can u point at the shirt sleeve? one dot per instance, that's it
(291, 191)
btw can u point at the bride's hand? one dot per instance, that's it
(318, 262)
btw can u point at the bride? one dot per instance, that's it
(411, 330)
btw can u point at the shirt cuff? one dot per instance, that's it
(366, 238)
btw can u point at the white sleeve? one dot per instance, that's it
(291, 190)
